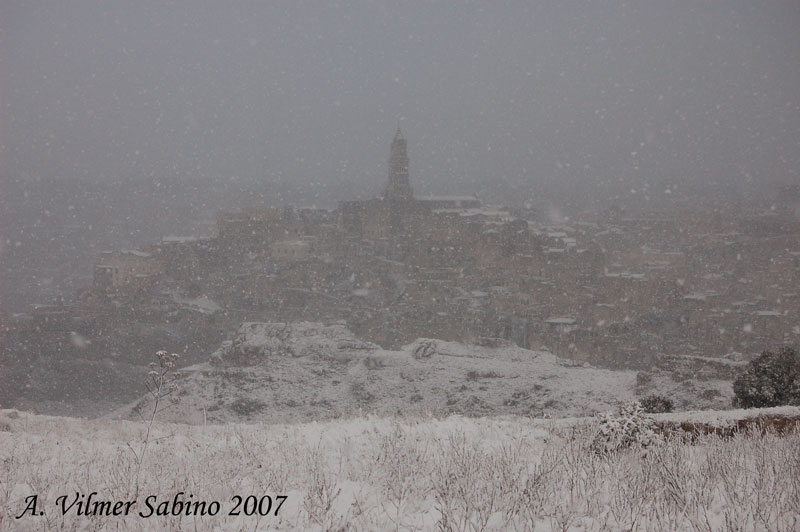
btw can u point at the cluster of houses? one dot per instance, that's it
(612, 287)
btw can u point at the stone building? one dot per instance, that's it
(126, 268)
(394, 214)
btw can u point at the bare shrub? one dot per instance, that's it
(360, 393)
(373, 363)
(162, 384)
(473, 375)
(245, 406)
(629, 427)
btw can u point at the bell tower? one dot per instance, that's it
(398, 187)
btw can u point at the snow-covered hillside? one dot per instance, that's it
(277, 372)
(370, 473)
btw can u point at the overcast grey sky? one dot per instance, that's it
(645, 91)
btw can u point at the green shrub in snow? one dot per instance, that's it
(772, 379)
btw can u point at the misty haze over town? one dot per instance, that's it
(557, 239)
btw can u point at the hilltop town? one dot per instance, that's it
(694, 291)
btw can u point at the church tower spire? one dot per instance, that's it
(398, 187)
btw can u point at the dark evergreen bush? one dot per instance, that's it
(656, 404)
(772, 379)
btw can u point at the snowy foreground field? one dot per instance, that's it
(510, 473)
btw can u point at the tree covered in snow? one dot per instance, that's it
(772, 379)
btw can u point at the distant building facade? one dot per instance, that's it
(395, 214)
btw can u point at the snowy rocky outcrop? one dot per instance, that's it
(290, 372)
(424, 348)
(257, 342)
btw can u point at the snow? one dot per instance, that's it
(726, 417)
(560, 321)
(695, 297)
(625, 275)
(711, 360)
(135, 252)
(371, 473)
(447, 198)
(180, 239)
(202, 304)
